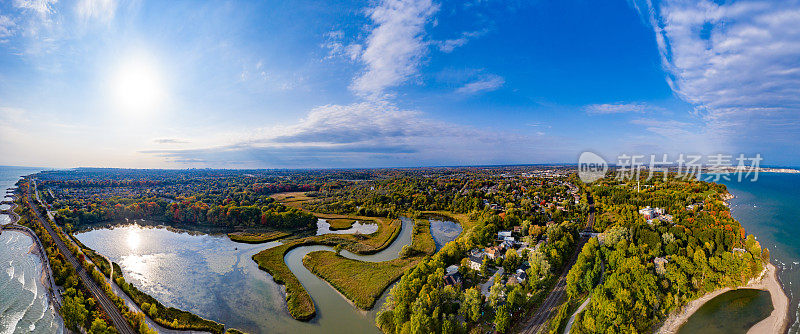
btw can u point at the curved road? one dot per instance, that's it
(538, 322)
(119, 322)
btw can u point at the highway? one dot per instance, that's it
(119, 322)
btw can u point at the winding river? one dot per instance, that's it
(216, 278)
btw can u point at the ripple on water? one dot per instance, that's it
(24, 304)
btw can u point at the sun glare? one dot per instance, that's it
(137, 88)
(133, 239)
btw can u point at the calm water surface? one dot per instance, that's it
(731, 312)
(323, 227)
(769, 209)
(217, 279)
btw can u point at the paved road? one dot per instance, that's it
(108, 306)
(538, 321)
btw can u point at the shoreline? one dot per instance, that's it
(776, 322)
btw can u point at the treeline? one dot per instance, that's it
(189, 211)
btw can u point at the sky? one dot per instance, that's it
(394, 83)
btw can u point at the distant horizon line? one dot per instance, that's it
(554, 164)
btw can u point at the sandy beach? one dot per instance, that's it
(776, 322)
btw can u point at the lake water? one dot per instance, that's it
(323, 227)
(209, 276)
(444, 231)
(24, 305)
(729, 313)
(768, 209)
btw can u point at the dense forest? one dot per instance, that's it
(653, 267)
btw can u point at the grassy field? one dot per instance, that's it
(340, 223)
(364, 282)
(361, 282)
(256, 238)
(298, 301)
(422, 241)
(292, 199)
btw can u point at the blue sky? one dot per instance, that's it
(180, 84)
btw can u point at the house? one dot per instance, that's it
(508, 243)
(475, 262)
(518, 229)
(453, 279)
(738, 250)
(451, 269)
(651, 213)
(477, 252)
(521, 275)
(494, 252)
(503, 234)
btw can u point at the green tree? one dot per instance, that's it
(73, 312)
(502, 320)
(99, 326)
(471, 307)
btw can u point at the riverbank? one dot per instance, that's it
(776, 322)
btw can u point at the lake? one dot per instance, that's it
(768, 209)
(216, 278)
(729, 313)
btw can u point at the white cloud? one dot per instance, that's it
(395, 46)
(101, 10)
(373, 133)
(737, 62)
(616, 108)
(41, 7)
(487, 83)
(7, 26)
(449, 45)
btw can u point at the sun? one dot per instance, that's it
(137, 87)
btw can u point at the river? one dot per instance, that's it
(216, 278)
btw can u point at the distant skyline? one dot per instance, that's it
(315, 84)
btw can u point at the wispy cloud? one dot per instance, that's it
(449, 45)
(41, 7)
(101, 10)
(396, 44)
(7, 26)
(486, 83)
(369, 134)
(737, 62)
(170, 141)
(616, 108)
